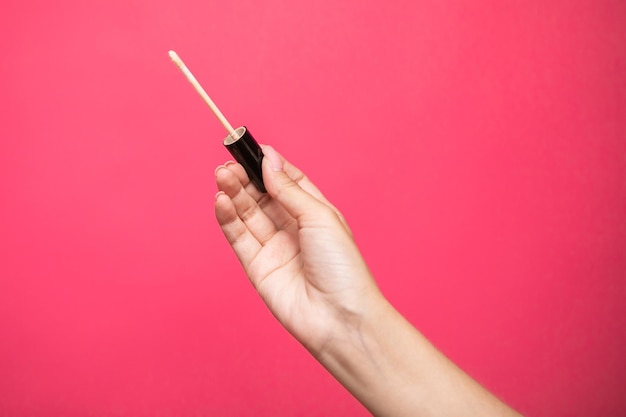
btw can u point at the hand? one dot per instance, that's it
(297, 250)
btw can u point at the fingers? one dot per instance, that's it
(275, 212)
(245, 245)
(246, 207)
(241, 174)
(293, 172)
(292, 196)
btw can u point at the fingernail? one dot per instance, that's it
(227, 163)
(218, 194)
(218, 168)
(273, 157)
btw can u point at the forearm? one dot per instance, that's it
(394, 371)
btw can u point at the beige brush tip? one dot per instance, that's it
(175, 58)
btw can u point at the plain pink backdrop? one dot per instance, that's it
(478, 150)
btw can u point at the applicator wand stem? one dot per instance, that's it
(196, 85)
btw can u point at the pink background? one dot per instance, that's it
(478, 150)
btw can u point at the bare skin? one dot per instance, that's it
(299, 254)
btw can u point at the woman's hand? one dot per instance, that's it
(296, 248)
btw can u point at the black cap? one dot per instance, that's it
(248, 153)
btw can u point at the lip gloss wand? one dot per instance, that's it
(239, 142)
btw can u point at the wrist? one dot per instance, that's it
(360, 354)
(355, 334)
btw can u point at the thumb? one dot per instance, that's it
(296, 201)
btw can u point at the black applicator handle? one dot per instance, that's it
(248, 153)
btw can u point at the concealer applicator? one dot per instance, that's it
(239, 142)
